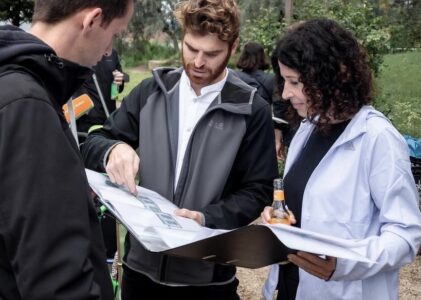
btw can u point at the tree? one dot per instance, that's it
(152, 17)
(16, 11)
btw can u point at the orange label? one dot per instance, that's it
(280, 221)
(278, 195)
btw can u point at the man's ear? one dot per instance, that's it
(235, 46)
(92, 18)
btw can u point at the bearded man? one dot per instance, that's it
(205, 141)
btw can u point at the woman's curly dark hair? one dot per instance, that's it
(333, 68)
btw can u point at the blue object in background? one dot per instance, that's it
(414, 146)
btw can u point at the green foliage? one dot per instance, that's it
(153, 19)
(265, 29)
(399, 91)
(16, 11)
(133, 56)
(405, 20)
(360, 18)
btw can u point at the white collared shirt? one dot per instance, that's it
(191, 109)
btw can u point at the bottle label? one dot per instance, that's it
(278, 195)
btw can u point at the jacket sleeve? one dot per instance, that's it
(394, 193)
(121, 126)
(251, 178)
(44, 212)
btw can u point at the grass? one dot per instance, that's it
(399, 87)
(401, 75)
(136, 77)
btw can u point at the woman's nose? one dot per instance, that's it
(286, 94)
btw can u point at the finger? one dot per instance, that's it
(313, 263)
(181, 212)
(130, 173)
(266, 214)
(312, 258)
(190, 214)
(306, 266)
(135, 165)
(131, 183)
(292, 219)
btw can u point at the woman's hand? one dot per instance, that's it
(266, 215)
(314, 264)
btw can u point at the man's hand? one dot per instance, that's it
(191, 214)
(313, 264)
(118, 77)
(122, 166)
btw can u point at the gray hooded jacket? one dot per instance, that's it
(227, 171)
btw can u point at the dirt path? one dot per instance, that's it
(251, 282)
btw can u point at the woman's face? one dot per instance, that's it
(293, 90)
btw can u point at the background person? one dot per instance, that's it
(108, 71)
(347, 171)
(282, 109)
(253, 63)
(50, 239)
(205, 143)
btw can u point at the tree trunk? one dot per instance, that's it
(288, 11)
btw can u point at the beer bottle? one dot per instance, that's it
(280, 212)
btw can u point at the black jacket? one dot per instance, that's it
(227, 171)
(262, 81)
(50, 239)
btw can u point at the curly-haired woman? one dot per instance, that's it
(347, 170)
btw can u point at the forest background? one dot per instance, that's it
(384, 27)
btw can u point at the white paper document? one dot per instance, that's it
(150, 218)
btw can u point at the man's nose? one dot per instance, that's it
(199, 60)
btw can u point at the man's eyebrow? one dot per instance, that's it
(206, 52)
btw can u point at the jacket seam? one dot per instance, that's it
(27, 98)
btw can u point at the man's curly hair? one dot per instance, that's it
(332, 66)
(219, 17)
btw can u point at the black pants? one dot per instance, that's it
(287, 282)
(136, 286)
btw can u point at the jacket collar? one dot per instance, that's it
(355, 128)
(236, 96)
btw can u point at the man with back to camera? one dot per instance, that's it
(50, 241)
(205, 142)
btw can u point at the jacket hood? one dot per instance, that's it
(23, 52)
(236, 95)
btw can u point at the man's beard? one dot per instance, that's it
(209, 74)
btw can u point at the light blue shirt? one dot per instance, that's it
(362, 189)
